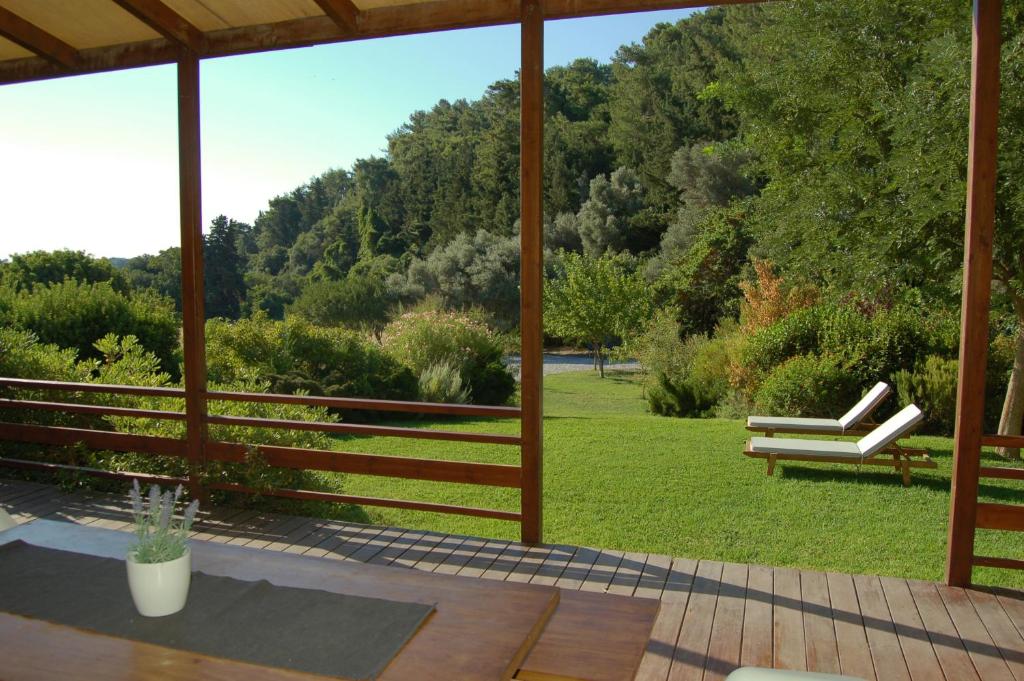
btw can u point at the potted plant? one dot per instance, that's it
(160, 562)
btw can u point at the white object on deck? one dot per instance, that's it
(760, 674)
(6, 521)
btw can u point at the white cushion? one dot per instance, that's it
(890, 431)
(823, 448)
(867, 404)
(790, 423)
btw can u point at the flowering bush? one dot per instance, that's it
(159, 538)
(421, 340)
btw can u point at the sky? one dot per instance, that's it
(90, 162)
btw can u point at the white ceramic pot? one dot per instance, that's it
(160, 589)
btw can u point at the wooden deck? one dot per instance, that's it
(714, 616)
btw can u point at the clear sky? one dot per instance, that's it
(90, 162)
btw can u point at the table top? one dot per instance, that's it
(480, 629)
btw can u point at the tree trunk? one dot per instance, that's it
(1013, 406)
(600, 359)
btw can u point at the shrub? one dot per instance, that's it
(932, 387)
(420, 340)
(75, 315)
(295, 356)
(669, 398)
(808, 385)
(442, 382)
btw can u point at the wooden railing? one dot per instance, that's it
(989, 516)
(487, 474)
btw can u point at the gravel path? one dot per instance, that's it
(563, 363)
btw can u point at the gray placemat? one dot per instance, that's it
(257, 622)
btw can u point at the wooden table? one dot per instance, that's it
(481, 629)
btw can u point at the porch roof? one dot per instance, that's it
(52, 38)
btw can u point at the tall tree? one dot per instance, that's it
(224, 269)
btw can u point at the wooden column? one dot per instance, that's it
(192, 307)
(531, 170)
(977, 287)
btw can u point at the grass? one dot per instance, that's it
(618, 477)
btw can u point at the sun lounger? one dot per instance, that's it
(854, 422)
(881, 440)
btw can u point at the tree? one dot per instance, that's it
(858, 113)
(595, 300)
(40, 268)
(160, 273)
(224, 269)
(356, 302)
(606, 217)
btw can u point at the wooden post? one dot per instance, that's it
(192, 307)
(531, 170)
(977, 287)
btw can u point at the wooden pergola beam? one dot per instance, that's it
(52, 50)
(531, 272)
(166, 22)
(380, 22)
(342, 12)
(977, 289)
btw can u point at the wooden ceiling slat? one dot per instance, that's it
(342, 12)
(31, 37)
(418, 17)
(166, 22)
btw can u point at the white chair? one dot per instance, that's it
(853, 422)
(862, 451)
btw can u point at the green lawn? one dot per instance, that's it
(616, 476)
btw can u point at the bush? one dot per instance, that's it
(76, 315)
(808, 385)
(443, 383)
(872, 348)
(932, 387)
(420, 340)
(296, 356)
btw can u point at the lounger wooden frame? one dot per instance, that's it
(903, 459)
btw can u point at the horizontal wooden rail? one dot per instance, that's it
(368, 404)
(98, 410)
(495, 475)
(93, 472)
(1004, 472)
(363, 429)
(988, 561)
(142, 391)
(1000, 517)
(1015, 441)
(310, 495)
(96, 439)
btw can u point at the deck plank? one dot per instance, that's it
(821, 648)
(988, 662)
(1002, 630)
(886, 653)
(756, 648)
(949, 649)
(724, 647)
(922, 663)
(691, 653)
(851, 639)
(788, 619)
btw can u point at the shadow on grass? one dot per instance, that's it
(888, 479)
